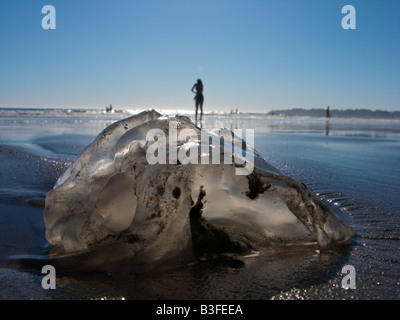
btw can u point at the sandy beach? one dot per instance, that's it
(352, 166)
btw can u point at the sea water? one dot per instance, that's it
(351, 164)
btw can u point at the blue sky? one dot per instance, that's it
(251, 55)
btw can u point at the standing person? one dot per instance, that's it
(328, 114)
(199, 98)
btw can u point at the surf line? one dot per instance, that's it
(209, 144)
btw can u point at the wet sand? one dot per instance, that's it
(353, 169)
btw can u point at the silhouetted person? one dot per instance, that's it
(328, 114)
(199, 98)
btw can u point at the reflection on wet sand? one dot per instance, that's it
(327, 127)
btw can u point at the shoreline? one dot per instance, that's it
(341, 170)
(117, 113)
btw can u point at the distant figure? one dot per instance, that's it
(109, 109)
(328, 114)
(199, 98)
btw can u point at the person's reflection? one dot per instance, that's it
(233, 125)
(199, 123)
(327, 128)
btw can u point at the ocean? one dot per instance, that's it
(351, 165)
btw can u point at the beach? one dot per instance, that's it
(350, 164)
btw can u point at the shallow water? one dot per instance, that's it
(351, 165)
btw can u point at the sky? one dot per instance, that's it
(253, 55)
